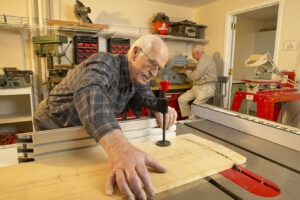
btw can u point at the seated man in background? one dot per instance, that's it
(204, 78)
(97, 90)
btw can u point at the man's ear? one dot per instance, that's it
(135, 52)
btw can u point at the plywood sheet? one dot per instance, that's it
(81, 174)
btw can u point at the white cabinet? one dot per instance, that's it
(16, 109)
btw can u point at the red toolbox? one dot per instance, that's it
(173, 102)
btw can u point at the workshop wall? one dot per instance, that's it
(214, 16)
(247, 38)
(138, 13)
(130, 13)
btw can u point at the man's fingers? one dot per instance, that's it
(123, 186)
(155, 165)
(143, 174)
(159, 119)
(135, 184)
(171, 119)
(110, 183)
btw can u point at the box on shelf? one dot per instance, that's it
(188, 29)
(118, 45)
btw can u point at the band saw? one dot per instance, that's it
(171, 71)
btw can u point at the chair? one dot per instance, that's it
(221, 80)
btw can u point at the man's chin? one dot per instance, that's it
(143, 82)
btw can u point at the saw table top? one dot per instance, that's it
(81, 174)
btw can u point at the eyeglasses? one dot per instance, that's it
(152, 63)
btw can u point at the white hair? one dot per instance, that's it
(198, 47)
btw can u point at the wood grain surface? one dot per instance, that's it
(81, 174)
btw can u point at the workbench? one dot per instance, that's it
(185, 86)
(267, 101)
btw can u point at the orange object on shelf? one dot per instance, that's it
(161, 24)
(161, 27)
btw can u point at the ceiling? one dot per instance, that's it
(266, 13)
(186, 3)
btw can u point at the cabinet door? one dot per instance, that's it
(15, 114)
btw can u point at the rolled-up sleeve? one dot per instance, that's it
(92, 102)
(94, 111)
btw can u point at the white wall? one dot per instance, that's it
(133, 13)
(214, 15)
(244, 46)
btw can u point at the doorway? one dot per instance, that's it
(249, 31)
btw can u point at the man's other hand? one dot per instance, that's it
(171, 117)
(128, 167)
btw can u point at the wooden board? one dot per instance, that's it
(71, 23)
(81, 174)
(66, 139)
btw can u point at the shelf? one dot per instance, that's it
(186, 39)
(109, 33)
(15, 117)
(112, 31)
(15, 91)
(17, 107)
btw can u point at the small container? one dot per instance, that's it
(188, 29)
(161, 24)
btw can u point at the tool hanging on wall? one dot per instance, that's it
(82, 11)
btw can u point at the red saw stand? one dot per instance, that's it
(268, 100)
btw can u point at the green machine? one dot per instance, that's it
(50, 46)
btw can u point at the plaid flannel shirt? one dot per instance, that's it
(94, 92)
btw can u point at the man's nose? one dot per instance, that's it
(153, 72)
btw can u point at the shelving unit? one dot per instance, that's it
(17, 108)
(16, 22)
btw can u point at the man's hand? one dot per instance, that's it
(171, 117)
(128, 167)
(184, 71)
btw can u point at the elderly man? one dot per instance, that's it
(95, 92)
(203, 77)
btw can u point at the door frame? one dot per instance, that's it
(229, 41)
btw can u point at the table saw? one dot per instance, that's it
(268, 159)
(272, 157)
(271, 160)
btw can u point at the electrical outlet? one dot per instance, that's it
(291, 45)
